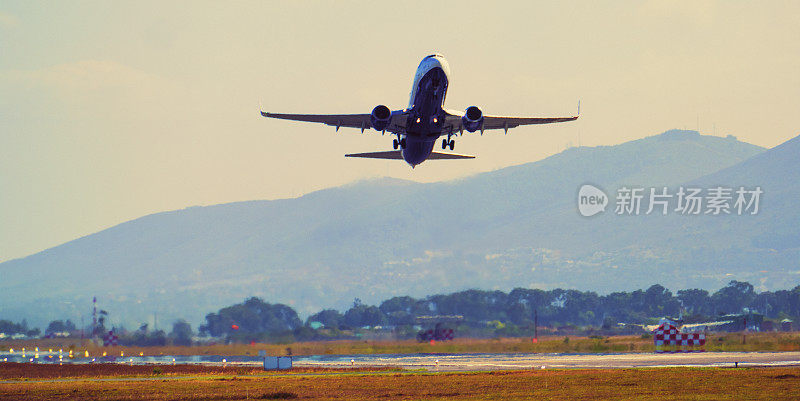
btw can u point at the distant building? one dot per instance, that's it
(724, 325)
(729, 323)
(767, 326)
(740, 322)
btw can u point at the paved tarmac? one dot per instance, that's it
(488, 362)
(469, 362)
(474, 362)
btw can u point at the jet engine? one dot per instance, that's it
(472, 119)
(380, 118)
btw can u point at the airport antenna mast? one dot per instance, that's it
(94, 315)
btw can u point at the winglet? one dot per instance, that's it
(579, 107)
(261, 109)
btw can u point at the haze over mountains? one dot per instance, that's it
(514, 227)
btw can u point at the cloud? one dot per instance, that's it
(8, 20)
(89, 88)
(105, 78)
(698, 11)
(91, 74)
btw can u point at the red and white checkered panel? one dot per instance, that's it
(667, 334)
(110, 339)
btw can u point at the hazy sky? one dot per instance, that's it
(114, 110)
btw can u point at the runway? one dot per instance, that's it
(462, 362)
(483, 362)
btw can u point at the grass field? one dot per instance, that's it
(716, 342)
(137, 382)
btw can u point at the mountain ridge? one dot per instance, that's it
(369, 239)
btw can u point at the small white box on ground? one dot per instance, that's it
(277, 362)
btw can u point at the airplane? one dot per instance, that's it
(420, 125)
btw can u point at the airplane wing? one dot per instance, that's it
(453, 120)
(361, 121)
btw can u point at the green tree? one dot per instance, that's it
(734, 297)
(363, 315)
(181, 333)
(251, 317)
(59, 326)
(695, 301)
(330, 318)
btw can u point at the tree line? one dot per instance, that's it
(507, 314)
(255, 319)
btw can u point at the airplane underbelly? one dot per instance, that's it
(417, 149)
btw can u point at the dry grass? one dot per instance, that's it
(32, 371)
(716, 342)
(671, 383)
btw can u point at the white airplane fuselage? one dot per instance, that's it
(426, 108)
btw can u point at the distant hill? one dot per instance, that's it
(514, 227)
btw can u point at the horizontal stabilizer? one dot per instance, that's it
(396, 155)
(392, 154)
(448, 156)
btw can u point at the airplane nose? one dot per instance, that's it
(434, 61)
(441, 63)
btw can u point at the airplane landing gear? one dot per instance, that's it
(448, 142)
(395, 144)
